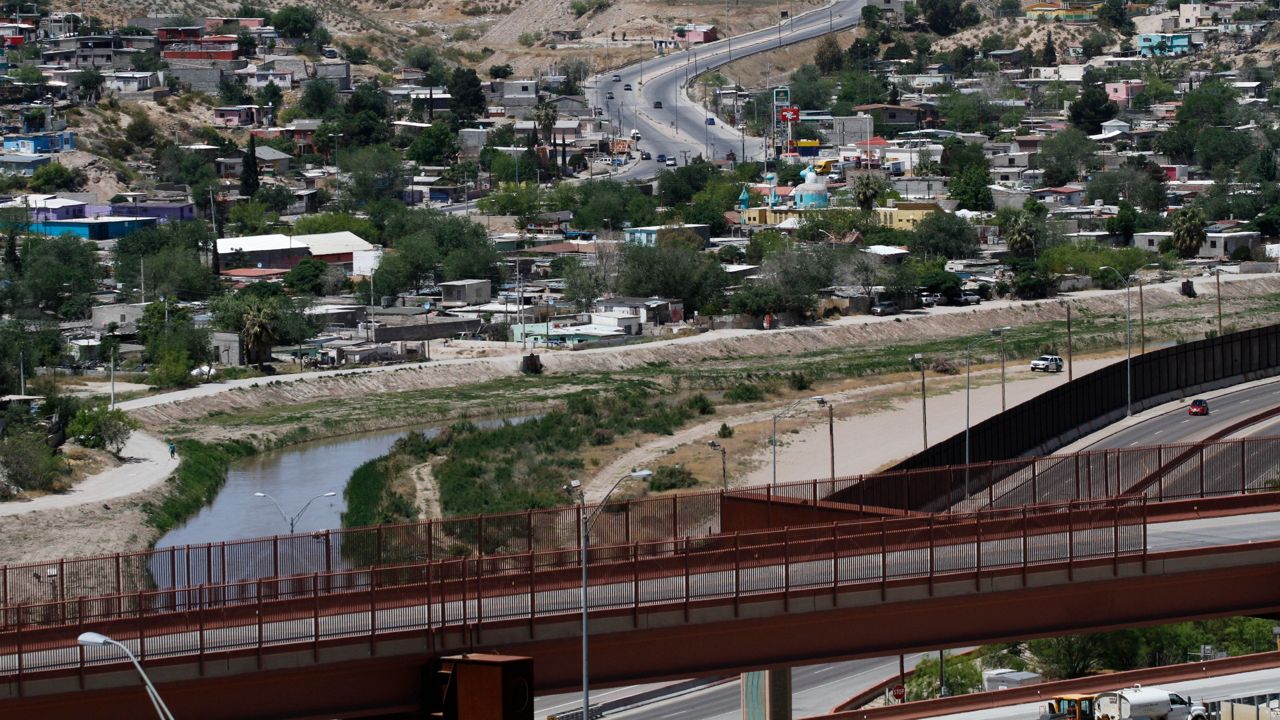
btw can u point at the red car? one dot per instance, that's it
(1198, 407)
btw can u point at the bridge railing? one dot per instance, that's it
(471, 592)
(1207, 469)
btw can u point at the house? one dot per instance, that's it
(179, 34)
(261, 77)
(37, 143)
(161, 210)
(906, 215)
(652, 235)
(1123, 92)
(210, 47)
(1005, 58)
(43, 208)
(303, 133)
(895, 117)
(337, 72)
(124, 81)
(100, 229)
(694, 33)
(456, 293)
(125, 316)
(270, 162)
(336, 248)
(651, 311)
(268, 251)
(25, 165)
(1164, 44)
(1066, 195)
(238, 115)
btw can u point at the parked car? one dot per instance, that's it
(671, 162)
(711, 121)
(1047, 363)
(617, 78)
(928, 299)
(885, 308)
(1198, 407)
(968, 297)
(657, 104)
(644, 155)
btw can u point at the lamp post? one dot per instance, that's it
(968, 386)
(93, 639)
(773, 438)
(1128, 341)
(293, 521)
(918, 361)
(584, 533)
(724, 466)
(1217, 276)
(831, 430)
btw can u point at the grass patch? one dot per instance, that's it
(201, 473)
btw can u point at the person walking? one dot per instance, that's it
(173, 451)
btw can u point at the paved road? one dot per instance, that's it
(1174, 425)
(1226, 687)
(679, 128)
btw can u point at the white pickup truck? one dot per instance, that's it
(1139, 703)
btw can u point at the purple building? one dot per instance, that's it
(162, 210)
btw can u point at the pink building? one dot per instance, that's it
(693, 33)
(1124, 91)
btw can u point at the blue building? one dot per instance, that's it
(22, 164)
(100, 228)
(37, 143)
(812, 193)
(1164, 44)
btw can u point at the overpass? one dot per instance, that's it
(364, 641)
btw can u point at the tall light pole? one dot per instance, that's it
(293, 521)
(918, 361)
(1217, 276)
(584, 533)
(968, 386)
(1000, 333)
(724, 463)
(93, 639)
(1128, 341)
(831, 430)
(773, 438)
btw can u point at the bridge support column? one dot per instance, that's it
(766, 694)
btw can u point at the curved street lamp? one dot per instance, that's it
(93, 639)
(293, 521)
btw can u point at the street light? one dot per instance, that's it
(724, 467)
(831, 430)
(917, 360)
(584, 532)
(93, 639)
(968, 386)
(1128, 341)
(293, 520)
(773, 439)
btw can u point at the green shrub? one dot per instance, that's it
(100, 427)
(528, 39)
(725, 431)
(744, 393)
(200, 475)
(798, 381)
(701, 404)
(671, 477)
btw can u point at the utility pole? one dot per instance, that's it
(22, 373)
(1142, 321)
(113, 377)
(1069, 355)
(1217, 275)
(142, 273)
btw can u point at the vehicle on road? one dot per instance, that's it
(657, 104)
(885, 308)
(1198, 407)
(969, 297)
(644, 155)
(627, 86)
(1047, 363)
(617, 78)
(609, 95)
(1135, 703)
(661, 158)
(711, 121)
(671, 162)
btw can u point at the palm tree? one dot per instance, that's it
(1188, 231)
(260, 327)
(867, 190)
(544, 116)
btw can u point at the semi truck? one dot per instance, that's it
(1134, 703)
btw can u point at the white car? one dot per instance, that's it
(1047, 363)
(671, 162)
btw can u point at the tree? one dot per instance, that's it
(962, 676)
(1124, 223)
(1049, 56)
(1022, 234)
(675, 271)
(54, 176)
(809, 90)
(90, 82)
(498, 72)
(1065, 657)
(944, 235)
(59, 273)
(1112, 14)
(275, 198)
(582, 284)
(249, 169)
(171, 256)
(971, 189)
(1063, 156)
(1143, 187)
(318, 99)
(295, 21)
(1188, 231)
(867, 191)
(1092, 108)
(544, 116)
(828, 57)
(375, 173)
(306, 277)
(436, 145)
(264, 318)
(98, 426)
(467, 93)
(872, 16)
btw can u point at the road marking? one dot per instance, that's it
(1157, 432)
(1135, 442)
(1185, 421)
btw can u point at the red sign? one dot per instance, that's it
(789, 114)
(898, 692)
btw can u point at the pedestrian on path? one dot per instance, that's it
(173, 451)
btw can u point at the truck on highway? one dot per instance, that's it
(1135, 703)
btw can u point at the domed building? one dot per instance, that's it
(812, 193)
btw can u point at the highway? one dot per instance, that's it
(679, 128)
(1175, 425)
(1226, 687)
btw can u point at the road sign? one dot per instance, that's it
(898, 691)
(789, 114)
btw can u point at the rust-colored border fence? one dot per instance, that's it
(1207, 469)
(537, 585)
(1040, 424)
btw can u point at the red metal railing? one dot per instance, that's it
(1190, 470)
(476, 592)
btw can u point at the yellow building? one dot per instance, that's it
(906, 215)
(765, 215)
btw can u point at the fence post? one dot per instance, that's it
(18, 643)
(1202, 471)
(686, 579)
(1144, 535)
(884, 558)
(930, 555)
(1071, 541)
(786, 568)
(1243, 487)
(977, 549)
(675, 510)
(378, 546)
(142, 630)
(1076, 457)
(79, 631)
(200, 625)
(373, 611)
(635, 581)
(737, 572)
(315, 616)
(1035, 484)
(1024, 546)
(835, 563)
(1115, 541)
(260, 611)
